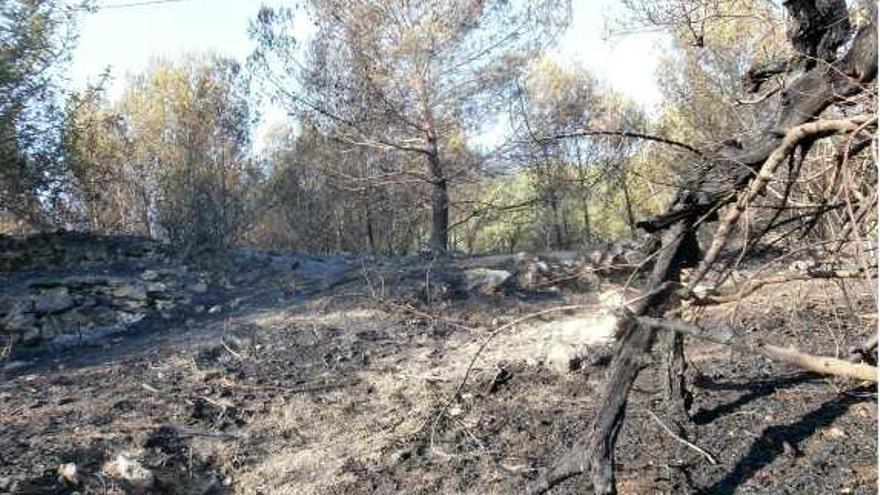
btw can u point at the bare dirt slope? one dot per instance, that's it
(315, 387)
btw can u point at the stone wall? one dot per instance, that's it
(71, 249)
(65, 288)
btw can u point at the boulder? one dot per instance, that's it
(53, 300)
(485, 280)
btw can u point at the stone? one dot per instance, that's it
(130, 291)
(31, 336)
(18, 322)
(214, 310)
(564, 358)
(130, 469)
(13, 366)
(485, 279)
(15, 305)
(149, 275)
(572, 341)
(53, 300)
(198, 287)
(8, 485)
(165, 305)
(127, 318)
(67, 473)
(156, 288)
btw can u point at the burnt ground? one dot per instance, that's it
(327, 391)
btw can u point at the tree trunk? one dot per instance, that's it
(678, 399)
(557, 223)
(439, 207)
(371, 237)
(587, 234)
(627, 203)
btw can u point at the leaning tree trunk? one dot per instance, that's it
(817, 28)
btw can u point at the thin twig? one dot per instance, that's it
(681, 440)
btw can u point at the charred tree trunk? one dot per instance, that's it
(678, 399)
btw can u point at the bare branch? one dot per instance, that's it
(818, 364)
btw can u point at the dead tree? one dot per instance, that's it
(817, 79)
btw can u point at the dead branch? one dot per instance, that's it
(753, 286)
(626, 134)
(817, 364)
(792, 139)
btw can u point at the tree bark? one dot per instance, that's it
(439, 207)
(627, 204)
(678, 398)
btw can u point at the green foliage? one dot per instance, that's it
(171, 157)
(35, 42)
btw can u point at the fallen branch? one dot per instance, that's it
(817, 364)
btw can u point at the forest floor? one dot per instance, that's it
(324, 390)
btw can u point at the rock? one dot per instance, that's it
(214, 310)
(127, 318)
(67, 473)
(149, 275)
(131, 470)
(8, 485)
(131, 292)
(15, 305)
(13, 366)
(198, 287)
(563, 357)
(165, 305)
(19, 322)
(485, 279)
(156, 288)
(53, 300)
(573, 341)
(31, 336)
(526, 276)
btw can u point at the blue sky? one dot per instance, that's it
(126, 38)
